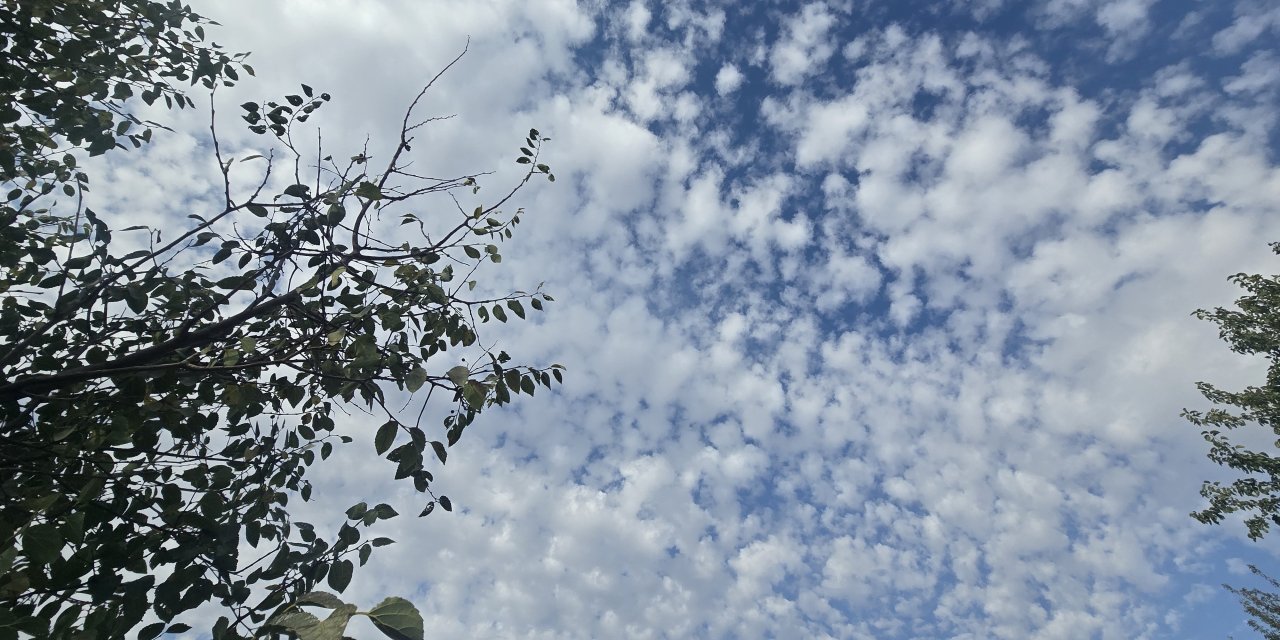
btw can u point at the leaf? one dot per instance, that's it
(322, 598)
(357, 511)
(398, 619)
(499, 313)
(151, 631)
(136, 297)
(297, 190)
(471, 252)
(445, 503)
(515, 306)
(42, 543)
(331, 628)
(431, 506)
(336, 213)
(340, 575)
(415, 378)
(474, 393)
(459, 374)
(385, 437)
(292, 619)
(368, 191)
(441, 452)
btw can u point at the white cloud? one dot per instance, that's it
(728, 79)
(804, 46)
(1252, 20)
(637, 20)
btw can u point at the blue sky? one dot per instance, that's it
(876, 314)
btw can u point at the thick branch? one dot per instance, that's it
(146, 356)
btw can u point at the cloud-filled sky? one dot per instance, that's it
(876, 314)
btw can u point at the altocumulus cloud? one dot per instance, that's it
(876, 314)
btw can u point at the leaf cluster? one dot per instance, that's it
(159, 407)
(70, 67)
(1253, 328)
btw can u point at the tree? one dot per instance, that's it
(1262, 606)
(1254, 329)
(160, 407)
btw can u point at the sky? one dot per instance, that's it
(876, 315)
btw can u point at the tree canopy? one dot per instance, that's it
(1251, 329)
(161, 403)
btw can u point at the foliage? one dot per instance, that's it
(395, 617)
(70, 67)
(1254, 329)
(162, 395)
(1262, 606)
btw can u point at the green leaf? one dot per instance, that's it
(445, 503)
(471, 252)
(440, 450)
(289, 619)
(357, 511)
(385, 437)
(515, 306)
(458, 375)
(431, 506)
(322, 598)
(151, 631)
(398, 619)
(340, 575)
(336, 213)
(474, 393)
(499, 313)
(42, 543)
(292, 619)
(331, 628)
(416, 377)
(298, 191)
(136, 298)
(368, 191)
(384, 511)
